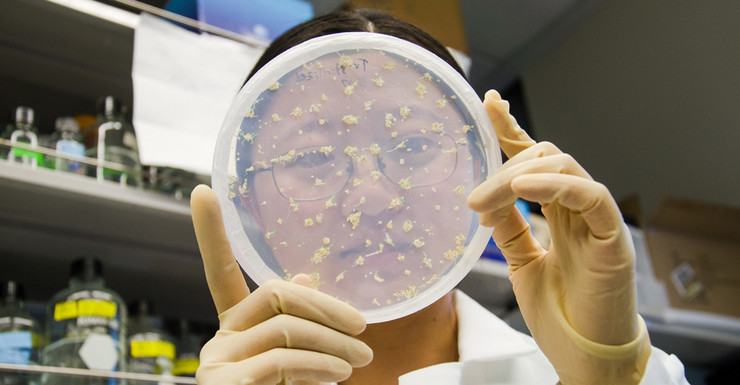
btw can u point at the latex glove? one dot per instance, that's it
(283, 332)
(577, 298)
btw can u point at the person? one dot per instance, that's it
(577, 297)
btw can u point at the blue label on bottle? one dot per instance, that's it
(16, 347)
(71, 148)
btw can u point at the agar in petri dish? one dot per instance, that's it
(349, 158)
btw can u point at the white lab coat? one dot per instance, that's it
(491, 352)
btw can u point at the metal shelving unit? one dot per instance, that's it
(60, 61)
(61, 372)
(145, 240)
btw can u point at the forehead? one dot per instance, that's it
(344, 80)
(354, 93)
(370, 72)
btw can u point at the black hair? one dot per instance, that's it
(355, 20)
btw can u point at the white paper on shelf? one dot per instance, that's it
(184, 83)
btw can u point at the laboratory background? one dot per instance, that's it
(109, 112)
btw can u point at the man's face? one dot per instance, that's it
(360, 170)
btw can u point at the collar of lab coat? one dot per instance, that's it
(490, 352)
(482, 336)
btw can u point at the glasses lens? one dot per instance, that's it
(419, 160)
(310, 173)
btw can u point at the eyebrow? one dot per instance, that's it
(289, 127)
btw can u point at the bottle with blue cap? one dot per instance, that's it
(67, 142)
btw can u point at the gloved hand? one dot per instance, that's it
(578, 297)
(284, 331)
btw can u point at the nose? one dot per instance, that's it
(370, 191)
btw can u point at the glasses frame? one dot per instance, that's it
(350, 171)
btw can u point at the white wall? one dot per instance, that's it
(646, 95)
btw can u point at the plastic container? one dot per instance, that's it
(349, 158)
(188, 347)
(86, 325)
(68, 142)
(151, 349)
(112, 138)
(22, 130)
(19, 335)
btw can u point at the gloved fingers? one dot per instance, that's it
(289, 332)
(275, 366)
(514, 238)
(512, 138)
(588, 198)
(223, 274)
(595, 253)
(495, 194)
(511, 232)
(280, 297)
(547, 153)
(303, 280)
(487, 219)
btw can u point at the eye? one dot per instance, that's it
(314, 172)
(430, 158)
(418, 150)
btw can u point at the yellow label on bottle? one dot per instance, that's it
(186, 366)
(84, 307)
(152, 349)
(96, 307)
(65, 310)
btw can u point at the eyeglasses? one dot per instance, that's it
(318, 172)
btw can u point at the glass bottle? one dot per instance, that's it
(112, 138)
(22, 130)
(151, 348)
(188, 351)
(19, 335)
(86, 326)
(67, 141)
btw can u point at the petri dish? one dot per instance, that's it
(349, 158)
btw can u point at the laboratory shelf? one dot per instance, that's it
(144, 239)
(63, 372)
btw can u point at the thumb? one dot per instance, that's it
(223, 274)
(303, 280)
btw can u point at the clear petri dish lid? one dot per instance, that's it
(349, 158)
